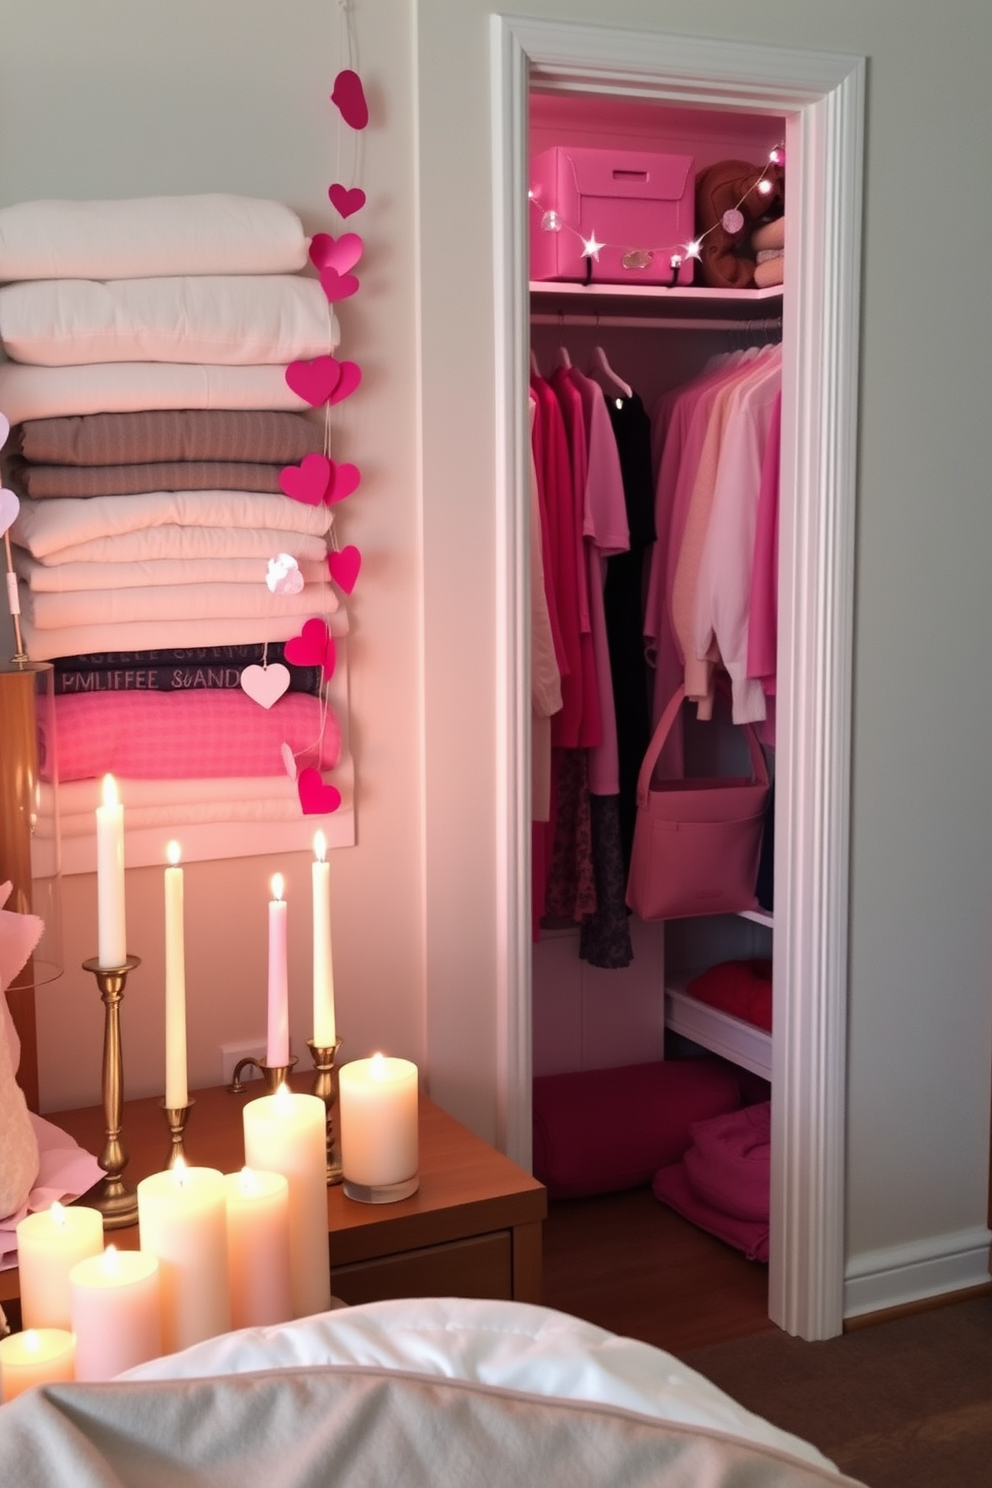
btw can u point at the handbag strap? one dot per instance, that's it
(758, 766)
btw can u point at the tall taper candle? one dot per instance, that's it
(111, 931)
(323, 966)
(277, 1044)
(176, 1091)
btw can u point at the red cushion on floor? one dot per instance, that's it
(598, 1131)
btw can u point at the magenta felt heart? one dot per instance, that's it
(347, 200)
(315, 381)
(316, 798)
(336, 253)
(307, 481)
(338, 286)
(349, 376)
(314, 646)
(344, 566)
(349, 96)
(344, 480)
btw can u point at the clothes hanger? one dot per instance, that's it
(535, 370)
(600, 363)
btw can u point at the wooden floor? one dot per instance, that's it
(631, 1265)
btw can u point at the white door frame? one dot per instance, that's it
(822, 97)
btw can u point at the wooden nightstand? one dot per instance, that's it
(472, 1229)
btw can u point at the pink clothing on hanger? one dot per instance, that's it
(762, 636)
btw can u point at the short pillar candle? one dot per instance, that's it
(182, 1219)
(377, 1108)
(49, 1243)
(116, 1312)
(258, 1248)
(287, 1133)
(39, 1356)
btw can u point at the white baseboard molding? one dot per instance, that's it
(910, 1273)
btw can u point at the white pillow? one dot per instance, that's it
(509, 1344)
(204, 234)
(224, 319)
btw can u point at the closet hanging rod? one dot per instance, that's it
(660, 322)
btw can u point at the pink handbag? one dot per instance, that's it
(697, 839)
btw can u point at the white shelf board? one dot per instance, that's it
(742, 1043)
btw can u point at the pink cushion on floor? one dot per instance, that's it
(672, 1187)
(598, 1131)
(729, 1162)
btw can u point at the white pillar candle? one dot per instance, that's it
(258, 1248)
(176, 1092)
(39, 1356)
(377, 1105)
(116, 1312)
(287, 1133)
(277, 1045)
(324, 1033)
(49, 1243)
(111, 931)
(182, 1219)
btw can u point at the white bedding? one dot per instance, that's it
(224, 319)
(127, 387)
(422, 1393)
(210, 233)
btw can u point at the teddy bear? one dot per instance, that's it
(729, 203)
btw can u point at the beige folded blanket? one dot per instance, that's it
(124, 387)
(44, 482)
(255, 435)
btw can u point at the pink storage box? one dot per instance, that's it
(639, 206)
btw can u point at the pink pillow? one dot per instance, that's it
(598, 1131)
(741, 988)
(671, 1185)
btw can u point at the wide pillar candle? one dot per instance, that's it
(377, 1106)
(40, 1356)
(49, 1244)
(116, 1312)
(287, 1133)
(258, 1248)
(182, 1219)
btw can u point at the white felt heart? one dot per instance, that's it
(4, 430)
(9, 507)
(283, 575)
(289, 761)
(265, 685)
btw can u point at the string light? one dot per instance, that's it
(732, 221)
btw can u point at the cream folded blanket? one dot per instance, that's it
(43, 527)
(224, 319)
(192, 602)
(191, 544)
(152, 635)
(128, 387)
(209, 233)
(153, 573)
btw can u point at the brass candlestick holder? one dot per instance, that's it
(274, 1075)
(177, 1116)
(325, 1085)
(116, 1200)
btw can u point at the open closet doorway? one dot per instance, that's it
(820, 96)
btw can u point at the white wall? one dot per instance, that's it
(920, 1008)
(116, 98)
(120, 98)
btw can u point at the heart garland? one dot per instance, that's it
(9, 507)
(318, 479)
(349, 96)
(323, 380)
(265, 685)
(346, 200)
(316, 797)
(314, 646)
(344, 567)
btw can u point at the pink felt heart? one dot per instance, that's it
(10, 506)
(315, 381)
(288, 760)
(344, 480)
(316, 798)
(344, 567)
(307, 481)
(349, 96)
(265, 685)
(314, 646)
(347, 200)
(349, 376)
(338, 286)
(4, 430)
(336, 253)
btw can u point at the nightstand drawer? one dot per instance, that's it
(478, 1267)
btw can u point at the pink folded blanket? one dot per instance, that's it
(173, 736)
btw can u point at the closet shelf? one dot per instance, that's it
(553, 303)
(742, 1043)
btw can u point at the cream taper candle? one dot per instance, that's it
(111, 929)
(324, 1032)
(287, 1133)
(49, 1243)
(176, 1090)
(277, 1042)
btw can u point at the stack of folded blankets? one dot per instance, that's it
(768, 248)
(160, 566)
